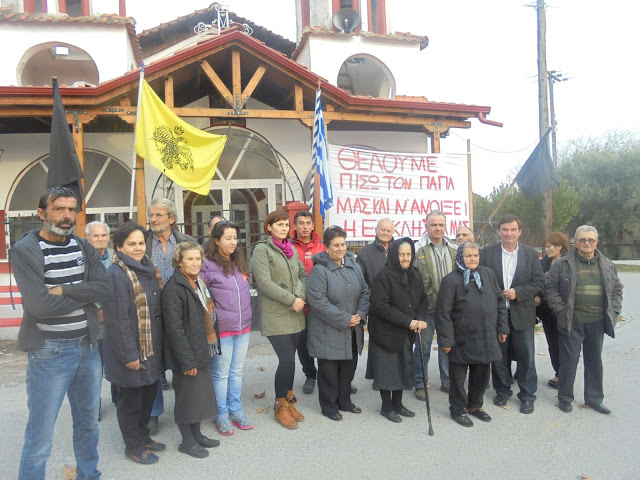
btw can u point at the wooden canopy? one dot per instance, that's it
(233, 67)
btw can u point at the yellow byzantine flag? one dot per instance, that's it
(184, 153)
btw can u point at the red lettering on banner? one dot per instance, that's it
(350, 229)
(411, 228)
(381, 206)
(398, 183)
(369, 228)
(347, 158)
(400, 208)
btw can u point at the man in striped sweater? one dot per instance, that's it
(61, 278)
(584, 291)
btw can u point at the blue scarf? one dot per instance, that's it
(466, 272)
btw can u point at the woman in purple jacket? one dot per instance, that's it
(226, 274)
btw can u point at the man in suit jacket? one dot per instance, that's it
(518, 270)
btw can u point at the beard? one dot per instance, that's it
(58, 230)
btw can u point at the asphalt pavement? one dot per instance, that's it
(547, 444)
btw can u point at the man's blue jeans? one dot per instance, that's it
(62, 367)
(226, 371)
(443, 359)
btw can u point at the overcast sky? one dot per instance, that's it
(484, 53)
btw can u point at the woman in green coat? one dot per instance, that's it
(281, 283)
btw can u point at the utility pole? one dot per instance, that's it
(553, 78)
(543, 105)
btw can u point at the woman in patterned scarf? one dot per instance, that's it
(133, 343)
(192, 339)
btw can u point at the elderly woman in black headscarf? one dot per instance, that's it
(398, 310)
(471, 319)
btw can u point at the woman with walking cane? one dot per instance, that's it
(471, 318)
(398, 309)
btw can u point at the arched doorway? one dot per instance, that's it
(107, 192)
(69, 63)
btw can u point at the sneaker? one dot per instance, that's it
(223, 423)
(145, 458)
(240, 420)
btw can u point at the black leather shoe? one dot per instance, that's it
(392, 416)
(404, 412)
(445, 387)
(526, 407)
(500, 401)
(553, 383)
(480, 414)
(354, 390)
(462, 420)
(196, 451)
(207, 442)
(309, 385)
(600, 408)
(352, 409)
(565, 407)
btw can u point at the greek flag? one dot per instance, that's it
(320, 156)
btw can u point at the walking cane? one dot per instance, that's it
(426, 390)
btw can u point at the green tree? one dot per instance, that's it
(605, 175)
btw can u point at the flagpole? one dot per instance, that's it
(134, 159)
(495, 210)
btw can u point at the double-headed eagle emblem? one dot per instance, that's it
(173, 147)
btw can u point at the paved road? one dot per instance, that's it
(548, 444)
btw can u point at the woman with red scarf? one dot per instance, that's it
(281, 281)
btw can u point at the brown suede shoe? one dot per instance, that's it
(291, 399)
(283, 415)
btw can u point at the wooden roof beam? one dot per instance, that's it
(217, 82)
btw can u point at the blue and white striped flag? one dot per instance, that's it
(320, 157)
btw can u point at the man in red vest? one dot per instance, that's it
(307, 243)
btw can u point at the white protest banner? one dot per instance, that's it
(370, 185)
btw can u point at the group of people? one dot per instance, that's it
(164, 302)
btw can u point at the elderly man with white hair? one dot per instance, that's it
(584, 291)
(161, 239)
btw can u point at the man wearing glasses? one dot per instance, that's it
(161, 239)
(584, 291)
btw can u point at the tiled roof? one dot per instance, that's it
(423, 40)
(153, 39)
(8, 15)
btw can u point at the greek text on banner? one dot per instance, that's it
(370, 185)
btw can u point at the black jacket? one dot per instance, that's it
(371, 260)
(122, 340)
(560, 291)
(469, 320)
(397, 298)
(186, 344)
(528, 281)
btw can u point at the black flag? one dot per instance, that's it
(537, 175)
(64, 167)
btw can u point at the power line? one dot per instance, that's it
(495, 151)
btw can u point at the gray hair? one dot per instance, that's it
(96, 223)
(403, 244)
(434, 213)
(470, 245)
(386, 219)
(165, 204)
(586, 228)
